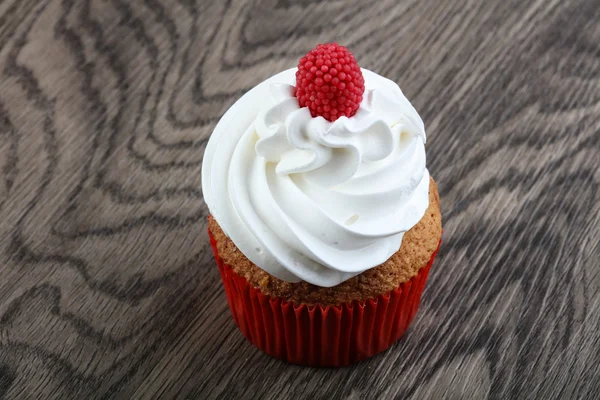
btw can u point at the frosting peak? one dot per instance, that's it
(308, 199)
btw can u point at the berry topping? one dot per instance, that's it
(329, 82)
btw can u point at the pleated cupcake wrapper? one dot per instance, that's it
(321, 335)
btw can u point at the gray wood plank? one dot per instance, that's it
(107, 284)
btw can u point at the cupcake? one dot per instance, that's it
(324, 220)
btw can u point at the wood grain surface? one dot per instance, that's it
(107, 284)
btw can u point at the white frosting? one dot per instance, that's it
(307, 199)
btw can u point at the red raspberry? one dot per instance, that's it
(329, 82)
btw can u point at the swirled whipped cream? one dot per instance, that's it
(308, 199)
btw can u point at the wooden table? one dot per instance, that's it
(107, 284)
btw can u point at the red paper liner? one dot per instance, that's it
(321, 336)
